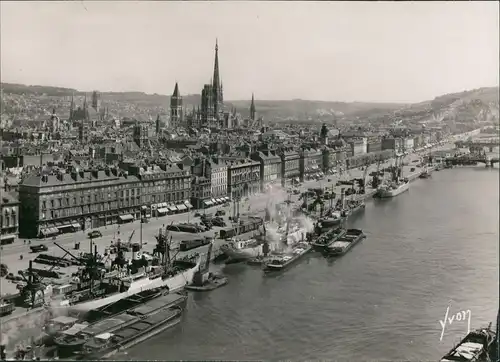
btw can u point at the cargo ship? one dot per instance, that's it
(397, 185)
(474, 347)
(73, 339)
(94, 288)
(393, 189)
(323, 240)
(145, 324)
(283, 261)
(343, 244)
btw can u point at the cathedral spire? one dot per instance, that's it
(176, 90)
(252, 109)
(216, 80)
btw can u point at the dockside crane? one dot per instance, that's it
(376, 178)
(362, 184)
(90, 262)
(33, 292)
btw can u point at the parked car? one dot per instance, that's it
(197, 214)
(220, 213)
(38, 248)
(94, 234)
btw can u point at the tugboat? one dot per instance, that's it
(343, 244)
(425, 173)
(294, 250)
(203, 280)
(476, 346)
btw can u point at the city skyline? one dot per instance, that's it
(341, 52)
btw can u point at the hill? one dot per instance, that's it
(279, 109)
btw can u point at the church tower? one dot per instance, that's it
(218, 97)
(85, 108)
(176, 110)
(158, 125)
(72, 107)
(252, 109)
(96, 100)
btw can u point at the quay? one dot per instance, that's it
(32, 319)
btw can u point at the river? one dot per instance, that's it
(433, 247)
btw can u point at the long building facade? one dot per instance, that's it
(75, 200)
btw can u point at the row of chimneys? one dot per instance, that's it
(94, 174)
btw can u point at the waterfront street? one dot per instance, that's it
(255, 206)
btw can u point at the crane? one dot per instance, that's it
(131, 236)
(363, 180)
(376, 179)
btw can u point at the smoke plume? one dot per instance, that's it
(274, 202)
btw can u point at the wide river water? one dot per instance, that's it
(431, 248)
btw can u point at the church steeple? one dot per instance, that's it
(216, 80)
(176, 90)
(252, 109)
(72, 107)
(217, 84)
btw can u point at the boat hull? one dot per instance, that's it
(320, 246)
(476, 346)
(342, 251)
(165, 324)
(243, 254)
(173, 284)
(269, 268)
(355, 210)
(385, 193)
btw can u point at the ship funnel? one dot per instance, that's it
(136, 251)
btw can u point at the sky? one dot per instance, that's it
(332, 51)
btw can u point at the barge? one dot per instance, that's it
(474, 347)
(328, 238)
(345, 243)
(145, 325)
(283, 261)
(72, 340)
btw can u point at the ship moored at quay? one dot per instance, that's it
(108, 342)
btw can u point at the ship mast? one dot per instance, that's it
(288, 219)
